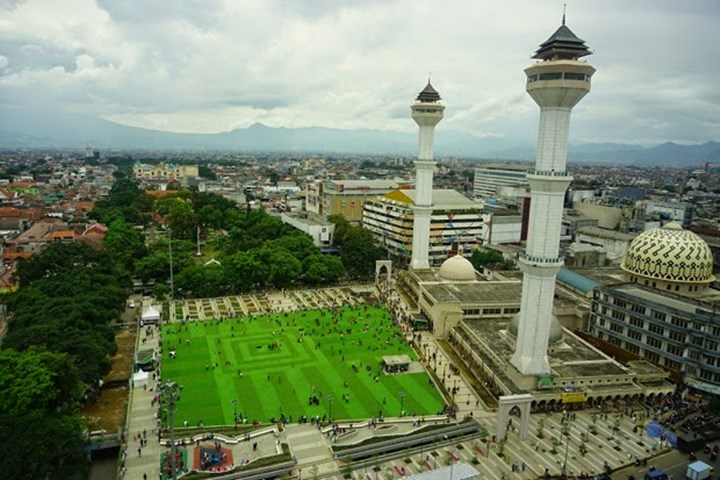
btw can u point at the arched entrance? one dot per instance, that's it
(383, 268)
(505, 405)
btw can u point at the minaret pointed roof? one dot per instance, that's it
(563, 44)
(428, 94)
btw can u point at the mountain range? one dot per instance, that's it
(30, 130)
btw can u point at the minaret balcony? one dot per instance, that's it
(549, 173)
(541, 260)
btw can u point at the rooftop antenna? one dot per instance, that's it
(564, 7)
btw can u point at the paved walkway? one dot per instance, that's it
(142, 418)
(311, 451)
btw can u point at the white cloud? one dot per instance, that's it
(208, 65)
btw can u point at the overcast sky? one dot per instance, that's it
(214, 65)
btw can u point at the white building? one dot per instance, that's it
(489, 180)
(317, 227)
(456, 222)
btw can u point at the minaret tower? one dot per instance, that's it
(557, 82)
(427, 112)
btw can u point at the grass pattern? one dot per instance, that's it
(316, 354)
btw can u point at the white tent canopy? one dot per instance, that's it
(150, 314)
(140, 378)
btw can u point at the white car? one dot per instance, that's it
(131, 304)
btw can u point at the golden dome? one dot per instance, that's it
(670, 254)
(457, 268)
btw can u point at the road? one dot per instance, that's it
(674, 463)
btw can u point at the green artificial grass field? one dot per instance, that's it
(315, 355)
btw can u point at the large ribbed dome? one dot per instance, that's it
(457, 268)
(670, 254)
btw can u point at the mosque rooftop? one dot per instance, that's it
(428, 94)
(562, 45)
(476, 292)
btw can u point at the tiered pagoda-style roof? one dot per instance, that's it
(562, 45)
(428, 94)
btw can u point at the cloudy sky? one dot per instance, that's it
(215, 65)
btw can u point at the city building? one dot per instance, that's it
(320, 229)
(165, 173)
(666, 311)
(456, 224)
(615, 244)
(680, 212)
(346, 197)
(489, 180)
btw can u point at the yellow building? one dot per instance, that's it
(166, 172)
(346, 197)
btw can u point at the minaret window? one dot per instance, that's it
(551, 76)
(576, 76)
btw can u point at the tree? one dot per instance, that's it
(205, 172)
(341, 227)
(161, 291)
(181, 220)
(124, 242)
(43, 444)
(37, 380)
(284, 268)
(482, 258)
(322, 269)
(359, 252)
(299, 246)
(244, 270)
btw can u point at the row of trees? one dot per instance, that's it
(57, 348)
(59, 340)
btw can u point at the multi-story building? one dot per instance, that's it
(314, 225)
(165, 172)
(666, 312)
(679, 212)
(346, 197)
(490, 178)
(456, 224)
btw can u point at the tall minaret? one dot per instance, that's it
(427, 112)
(557, 82)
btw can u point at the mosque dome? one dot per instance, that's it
(556, 332)
(457, 268)
(671, 255)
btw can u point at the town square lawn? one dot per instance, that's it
(263, 367)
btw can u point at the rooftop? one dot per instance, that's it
(576, 281)
(441, 198)
(428, 94)
(476, 292)
(605, 233)
(563, 44)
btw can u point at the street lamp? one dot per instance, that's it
(566, 431)
(330, 399)
(234, 402)
(169, 392)
(172, 282)
(402, 402)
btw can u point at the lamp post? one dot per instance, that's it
(235, 418)
(172, 282)
(169, 392)
(330, 399)
(402, 402)
(566, 431)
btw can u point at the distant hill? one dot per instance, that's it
(26, 129)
